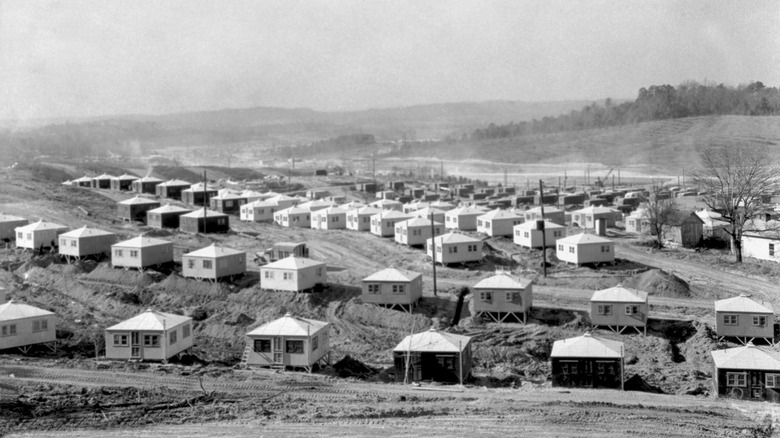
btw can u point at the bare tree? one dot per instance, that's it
(660, 213)
(737, 179)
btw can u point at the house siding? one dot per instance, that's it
(426, 366)
(618, 316)
(8, 228)
(586, 253)
(587, 372)
(413, 292)
(745, 327)
(223, 266)
(38, 238)
(88, 245)
(215, 224)
(150, 353)
(498, 303)
(305, 359)
(302, 279)
(534, 239)
(754, 389)
(456, 252)
(25, 334)
(147, 256)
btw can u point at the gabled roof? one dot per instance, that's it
(503, 281)
(595, 210)
(584, 238)
(418, 222)
(467, 210)
(679, 219)
(455, 238)
(151, 320)
(499, 214)
(175, 182)
(13, 310)
(168, 208)
(531, 225)
(393, 214)
(199, 213)
(126, 177)
(587, 346)
(138, 201)
(366, 210)
(742, 303)
(86, 232)
(40, 226)
(212, 251)
(749, 357)
(149, 179)
(620, 294)
(434, 341)
(9, 218)
(141, 242)
(393, 274)
(293, 262)
(289, 325)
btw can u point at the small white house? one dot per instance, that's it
(763, 244)
(293, 274)
(744, 319)
(411, 207)
(213, 263)
(551, 214)
(414, 232)
(529, 235)
(454, 248)
(387, 204)
(428, 212)
(289, 341)
(383, 224)
(85, 242)
(330, 218)
(587, 217)
(619, 308)
(151, 335)
(637, 222)
(39, 234)
(503, 298)
(463, 218)
(393, 288)
(22, 326)
(293, 217)
(141, 252)
(359, 219)
(8, 226)
(258, 211)
(498, 223)
(580, 249)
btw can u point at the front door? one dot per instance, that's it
(278, 352)
(136, 351)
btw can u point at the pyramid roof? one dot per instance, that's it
(83, 179)
(330, 210)
(9, 218)
(141, 242)
(198, 187)
(149, 179)
(531, 225)
(584, 238)
(293, 262)
(260, 203)
(620, 294)
(168, 208)
(595, 210)
(104, 176)
(198, 212)
(151, 320)
(369, 210)
(432, 341)
(126, 177)
(467, 210)
(212, 251)
(393, 274)
(294, 210)
(386, 202)
(12, 310)
(418, 222)
(228, 195)
(749, 357)
(86, 232)
(548, 209)
(587, 346)
(393, 214)
(503, 281)
(41, 225)
(289, 325)
(499, 214)
(742, 303)
(137, 200)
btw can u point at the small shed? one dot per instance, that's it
(686, 230)
(134, 209)
(85, 242)
(213, 263)
(383, 223)
(204, 221)
(393, 288)
(146, 185)
(23, 325)
(529, 234)
(282, 250)
(748, 373)
(463, 218)
(715, 227)
(8, 226)
(414, 232)
(582, 248)
(744, 319)
(167, 216)
(433, 355)
(619, 308)
(141, 252)
(293, 274)
(289, 341)
(39, 235)
(498, 222)
(454, 248)
(151, 335)
(196, 195)
(588, 362)
(587, 217)
(84, 181)
(637, 222)
(388, 204)
(551, 214)
(102, 181)
(330, 218)
(503, 298)
(227, 203)
(123, 182)
(359, 219)
(172, 189)
(293, 217)
(258, 211)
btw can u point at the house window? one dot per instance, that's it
(632, 310)
(487, 224)
(262, 345)
(486, 296)
(771, 249)
(455, 249)
(560, 247)
(334, 219)
(228, 203)
(134, 253)
(605, 309)
(20, 235)
(759, 321)
(287, 275)
(446, 362)
(319, 272)
(29, 236)
(207, 264)
(118, 252)
(185, 331)
(736, 379)
(151, 341)
(191, 263)
(773, 380)
(269, 274)
(315, 343)
(373, 288)
(120, 340)
(399, 289)
(172, 337)
(731, 319)
(571, 249)
(294, 347)
(569, 367)
(525, 234)
(40, 325)
(73, 243)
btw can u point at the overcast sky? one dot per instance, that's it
(87, 58)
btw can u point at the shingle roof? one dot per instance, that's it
(587, 346)
(742, 303)
(141, 242)
(137, 201)
(213, 251)
(151, 320)
(289, 325)
(393, 274)
(86, 232)
(12, 310)
(41, 225)
(749, 357)
(503, 281)
(620, 294)
(433, 341)
(199, 213)
(499, 214)
(584, 238)
(531, 225)
(168, 208)
(293, 262)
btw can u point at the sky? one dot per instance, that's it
(84, 58)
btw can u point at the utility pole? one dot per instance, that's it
(205, 203)
(540, 226)
(433, 253)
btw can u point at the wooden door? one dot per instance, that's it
(278, 350)
(136, 349)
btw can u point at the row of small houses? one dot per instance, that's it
(749, 372)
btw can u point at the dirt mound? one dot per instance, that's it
(660, 283)
(130, 278)
(349, 367)
(636, 383)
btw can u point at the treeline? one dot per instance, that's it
(659, 102)
(341, 145)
